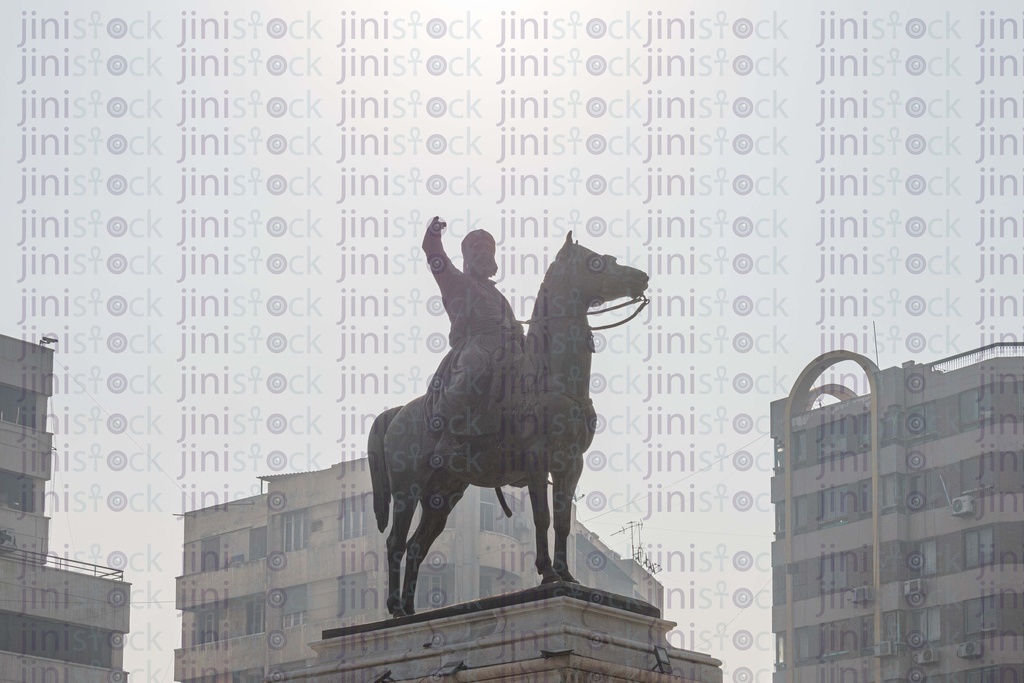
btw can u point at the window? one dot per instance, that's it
(864, 432)
(800, 516)
(990, 674)
(780, 517)
(294, 530)
(864, 501)
(978, 547)
(354, 518)
(843, 503)
(434, 590)
(916, 498)
(780, 650)
(209, 559)
(891, 627)
(18, 406)
(803, 642)
(486, 583)
(779, 587)
(980, 615)
(892, 492)
(831, 439)
(356, 595)
(294, 619)
(837, 637)
(930, 411)
(492, 518)
(830, 505)
(208, 624)
(891, 423)
(294, 609)
(975, 408)
(258, 543)
(928, 550)
(927, 621)
(255, 616)
(17, 491)
(976, 474)
(799, 447)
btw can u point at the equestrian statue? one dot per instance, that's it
(502, 409)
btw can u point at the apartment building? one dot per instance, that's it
(899, 536)
(61, 621)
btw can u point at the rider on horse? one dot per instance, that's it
(463, 404)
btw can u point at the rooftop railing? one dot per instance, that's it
(962, 360)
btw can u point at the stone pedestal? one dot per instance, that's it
(558, 632)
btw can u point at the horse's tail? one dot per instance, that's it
(379, 477)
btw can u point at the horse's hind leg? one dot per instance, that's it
(404, 506)
(436, 508)
(538, 486)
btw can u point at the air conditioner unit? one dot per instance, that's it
(914, 586)
(236, 560)
(863, 594)
(885, 649)
(928, 655)
(969, 650)
(963, 506)
(7, 542)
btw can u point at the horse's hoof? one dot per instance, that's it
(569, 578)
(554, 578)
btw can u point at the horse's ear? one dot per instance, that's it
(563, 252)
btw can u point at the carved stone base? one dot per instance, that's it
(557, 632)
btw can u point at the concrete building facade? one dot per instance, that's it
(899, 542)
(61, 621)
(264, 576)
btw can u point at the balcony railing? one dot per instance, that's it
(42, 560)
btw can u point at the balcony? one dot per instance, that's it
(195, 591)
(71, 591)
(15, 667)
(828, 524)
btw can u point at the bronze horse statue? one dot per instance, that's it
(548, 423)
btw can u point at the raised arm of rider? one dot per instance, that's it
(441, 267)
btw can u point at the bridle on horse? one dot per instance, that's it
(639, 298)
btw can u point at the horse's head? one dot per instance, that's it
(597, 278)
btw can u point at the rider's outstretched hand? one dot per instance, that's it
(437, 226)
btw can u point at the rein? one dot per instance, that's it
(643, 304)
(643, 300)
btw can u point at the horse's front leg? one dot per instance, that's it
(538, 486)
(562, 494)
